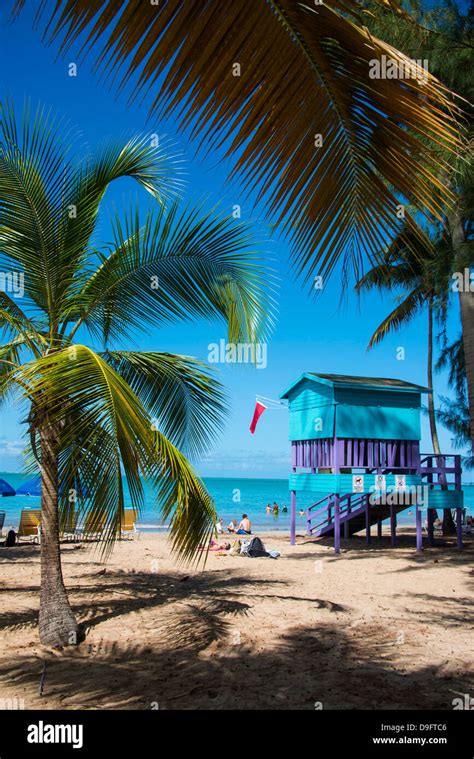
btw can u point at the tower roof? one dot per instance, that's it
(348, 380)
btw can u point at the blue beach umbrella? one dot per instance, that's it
(31, 487)
(6, 489)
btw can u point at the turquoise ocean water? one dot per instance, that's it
(233, 497)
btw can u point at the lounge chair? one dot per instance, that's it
(30, 525)
(68, 529)
(129, 527)
(2, 521)
(93, 527)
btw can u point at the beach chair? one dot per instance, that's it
(68, 529)
(2, 521)
(30, 525)
(129, 527)
(93, 527)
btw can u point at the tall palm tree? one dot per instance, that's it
(454, 414)
(444, 35)
(423, 279)
(286, 88)
(97, 414)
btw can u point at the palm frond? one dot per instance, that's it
(454, 415)
(49, 203)
(14, 320)
(399, 317)
(34, 170)
(182, 398)
(10, 360)
(388, 276)
(152, 167)
(452, 358)
(178, 265)
(103, 429)
(304, 72)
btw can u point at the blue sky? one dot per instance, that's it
(311, 334)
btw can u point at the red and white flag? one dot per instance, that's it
(259, 409)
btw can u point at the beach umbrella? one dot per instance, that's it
(31, 487)
(6, 489)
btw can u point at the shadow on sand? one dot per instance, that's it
(195, 657)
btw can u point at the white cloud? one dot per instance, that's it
(11, 447)
(243, 460)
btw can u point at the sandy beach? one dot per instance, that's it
(378, 628)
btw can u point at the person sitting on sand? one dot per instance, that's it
(231, 526)
(245, 528)
(220, 526)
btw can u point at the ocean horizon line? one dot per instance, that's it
(214, 477)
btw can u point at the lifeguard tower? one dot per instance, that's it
(355, 446)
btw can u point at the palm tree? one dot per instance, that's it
(443, 35)
(97, 414)
(286, 89)
(454, 414)
(423, 279)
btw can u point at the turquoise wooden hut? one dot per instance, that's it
(355, 446)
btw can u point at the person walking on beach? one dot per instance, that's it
(245, 528)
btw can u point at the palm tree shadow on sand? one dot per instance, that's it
(193, 655)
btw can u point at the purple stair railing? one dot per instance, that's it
(431, 467)
(351, 505)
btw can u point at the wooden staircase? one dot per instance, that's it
(353, 514)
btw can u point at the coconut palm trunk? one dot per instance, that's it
(431, 406)
(449, 526)
(57, 624)
(466, 306)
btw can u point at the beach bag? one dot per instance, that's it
(255, 549)
(244, 547)
(11, 539)
(235, 548)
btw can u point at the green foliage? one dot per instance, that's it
(117, 413)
